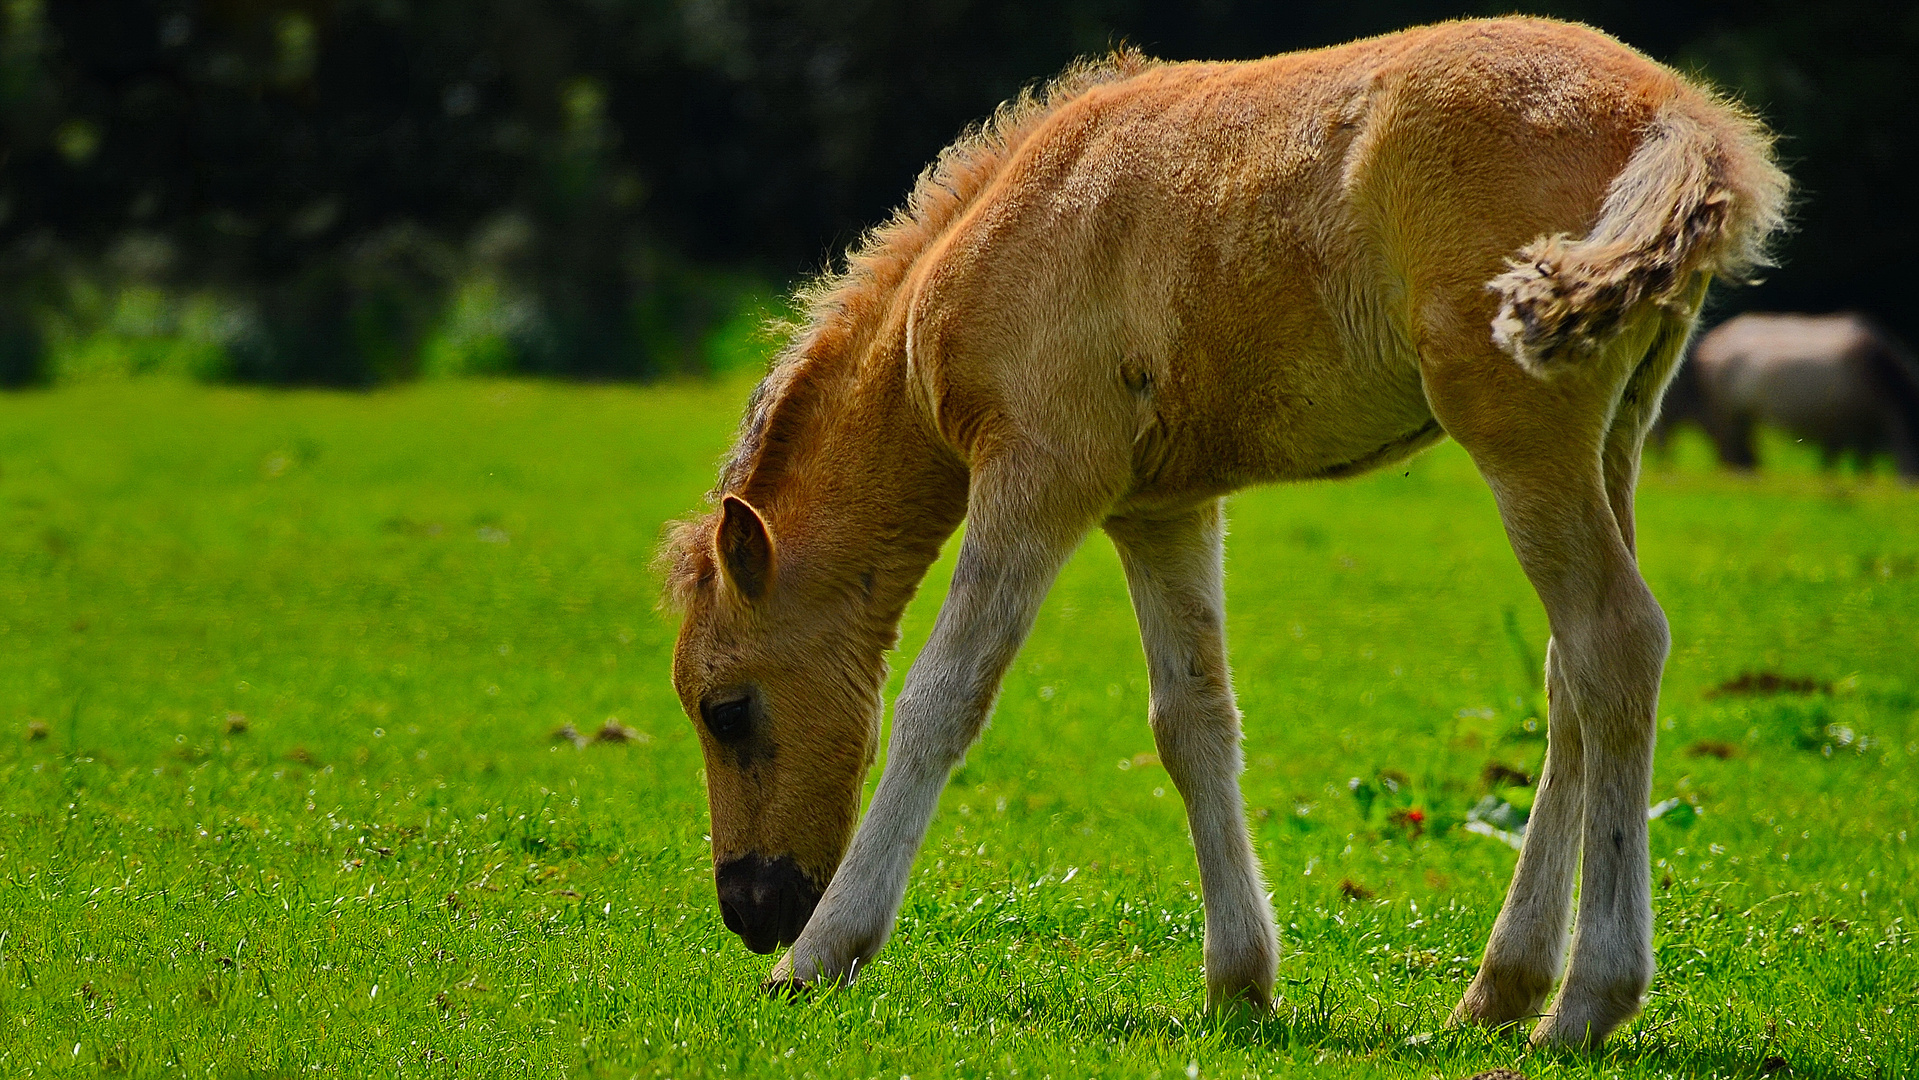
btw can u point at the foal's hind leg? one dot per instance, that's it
(1612, 947)
(1540, 444)
(1638, 410)
(1528, 942)
(1173, 568)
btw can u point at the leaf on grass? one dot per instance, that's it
(614, 731)
(1499, 813)
(1498, 774)
(1364, 794)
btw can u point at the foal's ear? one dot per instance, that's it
(745, 547)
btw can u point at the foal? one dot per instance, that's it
(1143, 288)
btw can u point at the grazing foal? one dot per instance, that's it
(1152, 284)
(1838, 380)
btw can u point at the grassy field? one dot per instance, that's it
(280, 794)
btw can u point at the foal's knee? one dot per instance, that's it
(937, 721)
(1644, 641)
(1196, 728)
(1611, 663)
(1625, 641)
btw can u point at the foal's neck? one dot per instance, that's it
(869, 487)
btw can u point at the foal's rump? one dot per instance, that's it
(1601, 182)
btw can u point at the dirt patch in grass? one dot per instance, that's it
(1758, 683)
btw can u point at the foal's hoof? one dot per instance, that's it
(785, 989)
(1496, 1022)
(1250, 1002)
(793, 978)
(1565, 1038)
(1572, 1033)
(1501, 1000)
(782, 983)
(1586, 1012)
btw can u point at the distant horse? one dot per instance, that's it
(1134, 292)
(1837, 380)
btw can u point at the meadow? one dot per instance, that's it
(281, 791)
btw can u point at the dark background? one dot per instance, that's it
(341, 180)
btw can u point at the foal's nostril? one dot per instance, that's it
(767, 902)
(731, 916)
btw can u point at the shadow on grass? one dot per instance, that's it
(1316, 1021)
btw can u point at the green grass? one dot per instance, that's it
(297, 808)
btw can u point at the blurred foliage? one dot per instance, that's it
(352, 191)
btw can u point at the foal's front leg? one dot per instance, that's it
(1174, 570)
(1018, 535)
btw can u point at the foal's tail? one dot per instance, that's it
(1700, 195)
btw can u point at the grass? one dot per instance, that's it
(279, 792)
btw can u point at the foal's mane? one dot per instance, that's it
(834, 306)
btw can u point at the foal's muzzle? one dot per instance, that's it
(765, 901)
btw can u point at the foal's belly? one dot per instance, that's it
(1295, 413)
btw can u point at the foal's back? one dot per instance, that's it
(1243, 266)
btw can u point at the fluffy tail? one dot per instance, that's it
(1700, 195)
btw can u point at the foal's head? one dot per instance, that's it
(779, 669)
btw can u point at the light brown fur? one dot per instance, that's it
(1154, 284)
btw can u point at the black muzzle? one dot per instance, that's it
(765, 901)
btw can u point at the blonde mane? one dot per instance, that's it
(836, 304)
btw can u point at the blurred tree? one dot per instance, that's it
(362, 174)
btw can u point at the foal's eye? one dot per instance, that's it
(727, 720)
